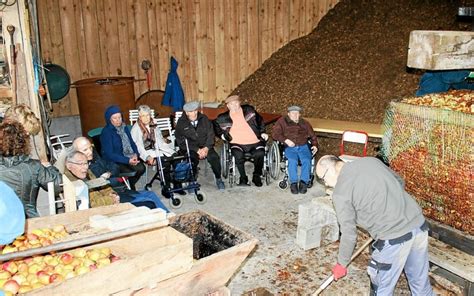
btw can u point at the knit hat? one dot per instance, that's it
(12, 215)
(232, 98)
(191, 106)
(294, 108)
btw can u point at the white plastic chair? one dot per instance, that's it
(177, 116)
(359, 137)
(58, 144)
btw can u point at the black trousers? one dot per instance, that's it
(212, 158)
(257, 151)
(139, 170)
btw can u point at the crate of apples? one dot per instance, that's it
(35, 239)
(21, 276)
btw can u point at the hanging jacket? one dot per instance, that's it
(111, 143)
(198, 137)
(25, 176)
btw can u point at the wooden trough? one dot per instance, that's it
(195, 255)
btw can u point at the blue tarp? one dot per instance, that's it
(442, 81)
(174, 94)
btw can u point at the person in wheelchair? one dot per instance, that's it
(199, 131)
(244, 129)
(293, 132)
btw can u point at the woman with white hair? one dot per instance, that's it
(148, 138)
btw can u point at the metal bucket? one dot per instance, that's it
(96, 94)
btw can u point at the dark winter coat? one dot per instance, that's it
(299, 133)
(198, 137)
(223, 123)
(25, 176)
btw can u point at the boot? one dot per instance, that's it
(244, 181)
(303, 188)
(294, 188)
(257, 180)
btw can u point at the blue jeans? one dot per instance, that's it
(304, 155)
(387, 264)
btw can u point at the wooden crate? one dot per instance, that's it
(146, 258)
(212, 272)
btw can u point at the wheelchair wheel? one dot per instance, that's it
(200, 198)
(175, 202)
(225, 159)
(274, 160)
(283, 185)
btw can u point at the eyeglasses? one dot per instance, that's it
(84, 164)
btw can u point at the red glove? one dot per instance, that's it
(339, 271)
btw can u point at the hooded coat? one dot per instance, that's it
(174, 94)
(25, 176)
(111, 142)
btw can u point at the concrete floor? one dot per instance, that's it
(277, 264)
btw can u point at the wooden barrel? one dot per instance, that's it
(96, 94)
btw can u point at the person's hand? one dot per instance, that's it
(150, 160)
(133, 160)
(106, 175)
(289, 143)
(203, 152)
(264, 136)
(314, 149)
(339, 271)
(115, 197)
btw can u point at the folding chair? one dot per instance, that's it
(359, 137)
(177, 116)
(59, 145)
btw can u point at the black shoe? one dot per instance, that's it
(303, 188)
(178, 186)
(244, 181)
(166, 194)
(257, 180)
(294, 188)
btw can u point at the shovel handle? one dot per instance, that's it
(329, 280)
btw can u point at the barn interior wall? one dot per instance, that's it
(218, 44)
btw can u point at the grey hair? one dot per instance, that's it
(71, 155)
(144, 109)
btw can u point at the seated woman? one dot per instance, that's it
(118, 145)
(23, 174)
(149, 139)
(150, 144)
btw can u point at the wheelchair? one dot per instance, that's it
(281, 165)
(229, 169)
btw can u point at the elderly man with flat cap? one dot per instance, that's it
(298, 136)
(244, 129)
(198, 130)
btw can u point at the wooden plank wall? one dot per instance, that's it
(218, 43)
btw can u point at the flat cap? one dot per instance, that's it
(232, 98)
(191, 106)
(295, 108)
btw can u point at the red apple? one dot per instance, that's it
(66, 258)
(114, 258)
(56, 277)
(11, 286)
(10, 266)
(32, 236)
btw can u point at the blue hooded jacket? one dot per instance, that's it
(174, 94)
(111, 142)
(12, 215)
